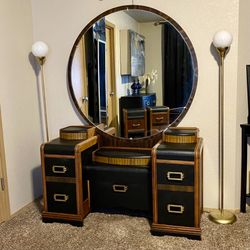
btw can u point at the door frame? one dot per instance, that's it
(111, 27)
(4, 192)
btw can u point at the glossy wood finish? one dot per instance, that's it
(73, 184)
(153, 139)
(194, 187)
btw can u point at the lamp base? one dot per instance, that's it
(222, 217)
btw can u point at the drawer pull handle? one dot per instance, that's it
(175, 209)
(60, 197)
(136, 125)
(120, 188)
(159, 118)
(59, 169)
(175, 176)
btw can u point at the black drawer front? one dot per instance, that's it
(120, 187)
(174, 174)
(60, 167)
(120, 194)
(176, 151)
(176, 208)
(61, 197)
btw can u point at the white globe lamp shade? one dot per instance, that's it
(222, 39)
(40, 49)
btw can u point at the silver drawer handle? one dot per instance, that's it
(120, 188)
(60, 197)
(135, 125)
(175, 176)
(159, 118)
(59, 169)
(175, 209)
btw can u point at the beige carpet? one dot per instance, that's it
(113, 232)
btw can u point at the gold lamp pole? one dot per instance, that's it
(222, 41)
(40, 50)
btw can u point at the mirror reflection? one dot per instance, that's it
(132, 70)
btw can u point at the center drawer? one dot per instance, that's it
(120, 187)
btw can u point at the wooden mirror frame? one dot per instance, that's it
(149, 141)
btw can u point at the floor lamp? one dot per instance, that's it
(222, 41)
(40, 50)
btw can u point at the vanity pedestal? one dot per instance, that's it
(177, 183)
(65, 193)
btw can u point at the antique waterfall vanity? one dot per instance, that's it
(91, 167)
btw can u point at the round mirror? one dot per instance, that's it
(133, 68)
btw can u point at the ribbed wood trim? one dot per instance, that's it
(180, 138)
(73, 136)
(122, 161)
(83, 135)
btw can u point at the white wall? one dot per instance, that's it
(122, 21)
(19, 103)
(58, 23)
(153, 55)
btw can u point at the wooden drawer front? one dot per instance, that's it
(176, 208)
(135, 124)
(174, 174)
(160, 118)
(61, 197)
(60, 167)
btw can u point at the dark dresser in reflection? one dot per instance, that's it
(134, 102)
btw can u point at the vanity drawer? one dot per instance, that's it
(160, 118)
(117, 187)
(176, 208)
(135, 124)
(61, 197)
(174, 174)
(60, 167)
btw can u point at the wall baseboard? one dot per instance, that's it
(38, 201)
